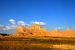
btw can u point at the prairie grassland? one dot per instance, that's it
(37, 43)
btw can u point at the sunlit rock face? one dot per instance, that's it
(0, 35)
(69, 33)
(37, 30)
(33, 30)
(21, 31)
(65, 33)
(56, 33)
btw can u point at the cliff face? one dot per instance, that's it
(33, 30)
(37, 30)
(21, 31)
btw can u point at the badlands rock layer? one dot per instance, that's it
(37, 30)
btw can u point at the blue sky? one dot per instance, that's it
(55, 13)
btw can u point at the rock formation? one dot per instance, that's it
(69, 33)
(1, 36)
(37, 30)
(22, 31)
(56, 33)
(65, 33)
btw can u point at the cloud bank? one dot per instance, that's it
(39, 23)
(21, 23)
(13, 24)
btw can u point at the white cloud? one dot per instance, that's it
(21, 23)
(10, 27)
(40, 23)
(12, 21)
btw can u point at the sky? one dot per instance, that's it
(52, 14)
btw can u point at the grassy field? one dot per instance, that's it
(37, 43)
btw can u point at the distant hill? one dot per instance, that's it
(69, 33)
(65, 33)
(56, 32)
